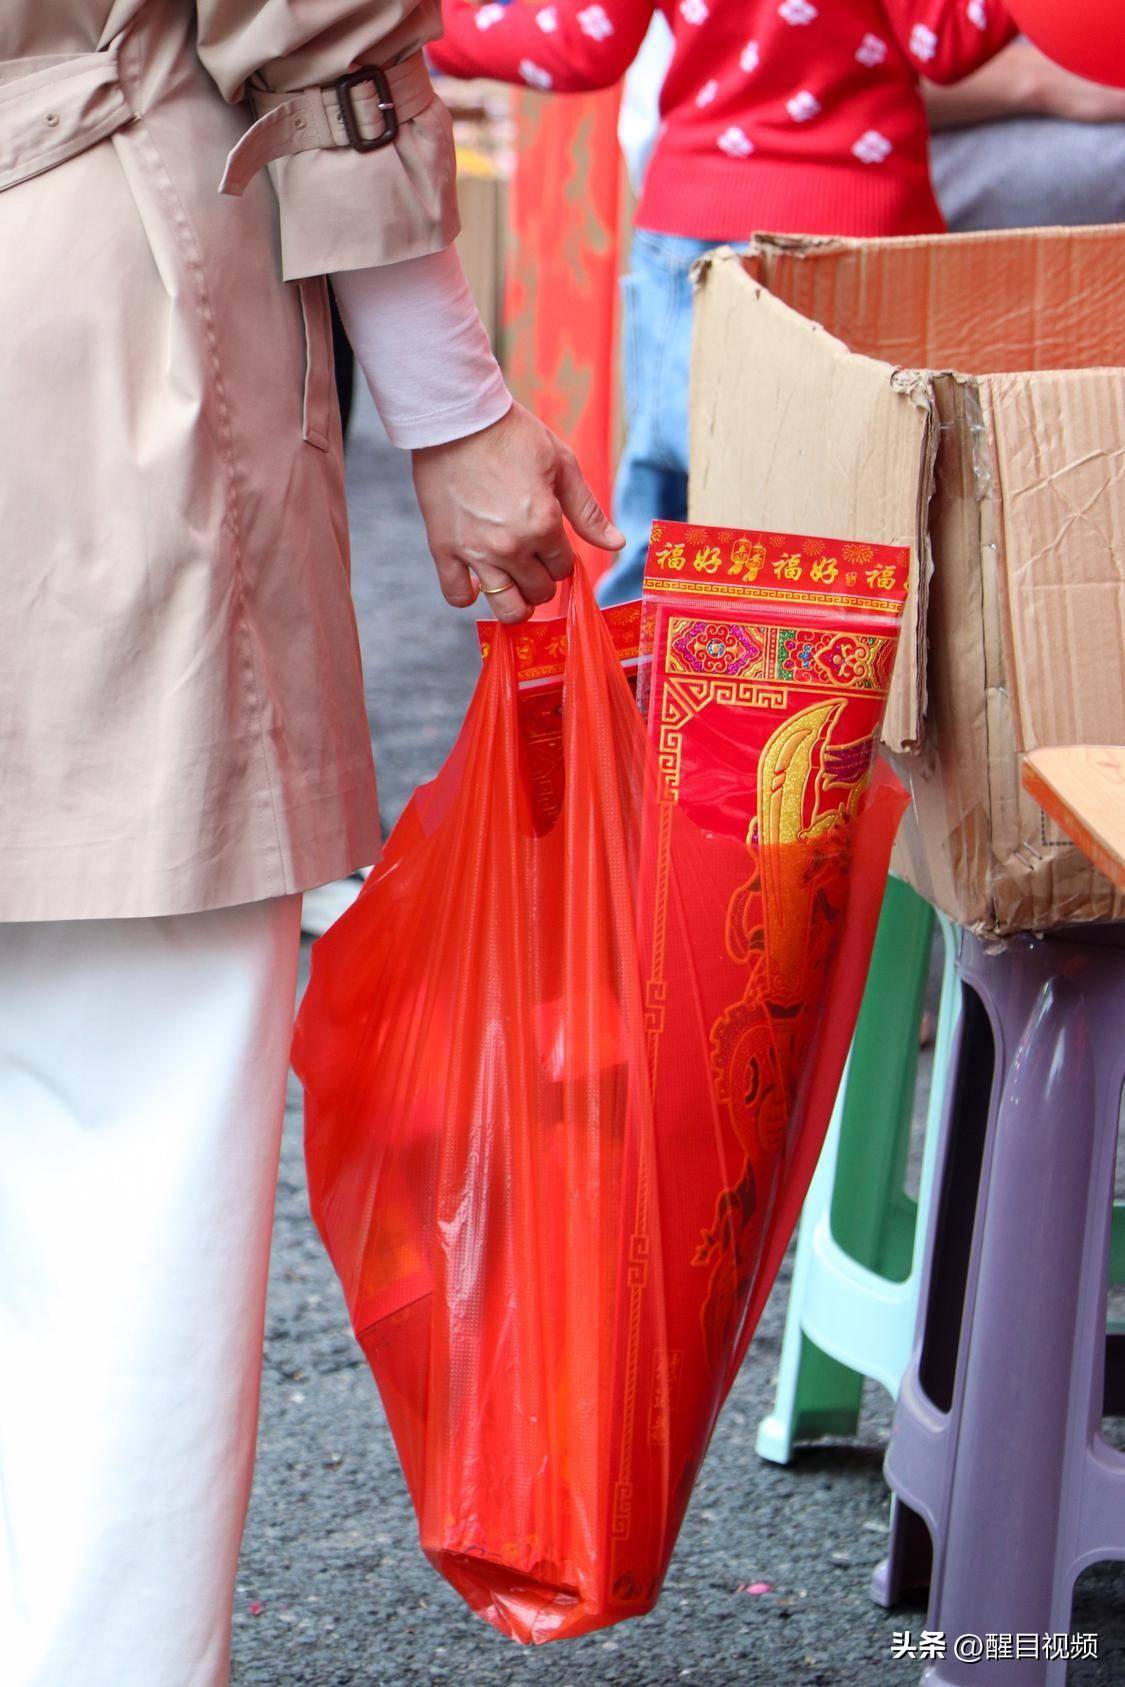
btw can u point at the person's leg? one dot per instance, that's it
(651, 479)
(142, 1090)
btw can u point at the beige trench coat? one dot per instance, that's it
(182, 720)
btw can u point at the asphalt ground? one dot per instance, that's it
(332, 1588)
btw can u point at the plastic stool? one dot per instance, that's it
(997, 1447)
(856, 1277)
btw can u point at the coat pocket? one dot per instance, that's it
(320, 380)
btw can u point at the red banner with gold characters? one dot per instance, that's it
(765, 664)
(768, 658)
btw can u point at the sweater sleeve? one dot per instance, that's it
(568, 46)
(423, 349)
(948, 39)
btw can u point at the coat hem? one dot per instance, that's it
(74, 888)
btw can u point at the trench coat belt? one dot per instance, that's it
(333, 116)
(48, 116)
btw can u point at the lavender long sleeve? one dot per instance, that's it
(423, 349)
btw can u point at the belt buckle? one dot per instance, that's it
(373, 74)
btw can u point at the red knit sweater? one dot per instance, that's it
(794, 116)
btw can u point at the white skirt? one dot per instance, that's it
(142, 1091)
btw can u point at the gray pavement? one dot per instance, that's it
(332, 1587)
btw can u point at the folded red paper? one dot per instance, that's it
(570, 1058)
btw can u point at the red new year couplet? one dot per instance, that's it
(561, 290)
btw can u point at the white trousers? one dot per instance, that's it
(142, 1092)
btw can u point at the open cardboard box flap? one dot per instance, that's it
(957, 394)
(870, 474)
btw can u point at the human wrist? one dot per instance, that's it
(1045, 89)
(474, 435)
(439, 430)
(1033, 78)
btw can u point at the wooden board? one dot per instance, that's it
(1082, 788)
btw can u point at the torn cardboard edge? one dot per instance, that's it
(1011, 475)
(894, 517)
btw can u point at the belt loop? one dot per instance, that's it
(50, 116)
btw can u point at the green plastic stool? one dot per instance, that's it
(856, 1277)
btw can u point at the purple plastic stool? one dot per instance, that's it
(1005, 1490)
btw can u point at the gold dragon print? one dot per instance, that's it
(781, 925)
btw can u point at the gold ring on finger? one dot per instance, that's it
(493, 591)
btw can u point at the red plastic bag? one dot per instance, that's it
(554, 1219)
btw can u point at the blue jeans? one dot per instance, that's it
(651, 480)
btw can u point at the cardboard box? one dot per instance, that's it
(957, 394)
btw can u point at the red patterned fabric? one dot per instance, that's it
(797, 116)
(561, 270)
